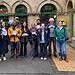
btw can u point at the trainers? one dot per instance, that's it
(60, 58)
(45, 58)
(65, 59)
(4, 58)
(41, 58)
(0, 59)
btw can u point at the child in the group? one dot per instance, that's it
(43, 40)
(61, 37)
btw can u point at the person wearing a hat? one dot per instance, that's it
(51, 37)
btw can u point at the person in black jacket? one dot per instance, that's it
(26, 36)
(35, 41)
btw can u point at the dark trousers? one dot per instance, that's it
(3, 55)
(14, 49)
(52, 40)
(43, 50)
(35, 48)
(23, 50)
(5, 44)
(23, 44)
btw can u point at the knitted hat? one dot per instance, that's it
(51, 19)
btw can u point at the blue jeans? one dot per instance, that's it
(62, 49)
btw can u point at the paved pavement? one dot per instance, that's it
(72, 44)
(26, 65)
(66, 66)
(29, 66)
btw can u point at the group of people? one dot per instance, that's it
(40, 36)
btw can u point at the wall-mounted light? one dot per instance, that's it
(55, 16)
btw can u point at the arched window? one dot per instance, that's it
(3, 9)
(70, 15)
(21, 12)
(4, 13)
(70, 5)
(47, 11)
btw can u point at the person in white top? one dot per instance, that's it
(11, 21)
(4, 42)
(43, 40)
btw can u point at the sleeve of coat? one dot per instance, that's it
(9, 32)
(66, 35)
(19, 33)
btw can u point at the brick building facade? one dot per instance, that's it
(30, 10)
